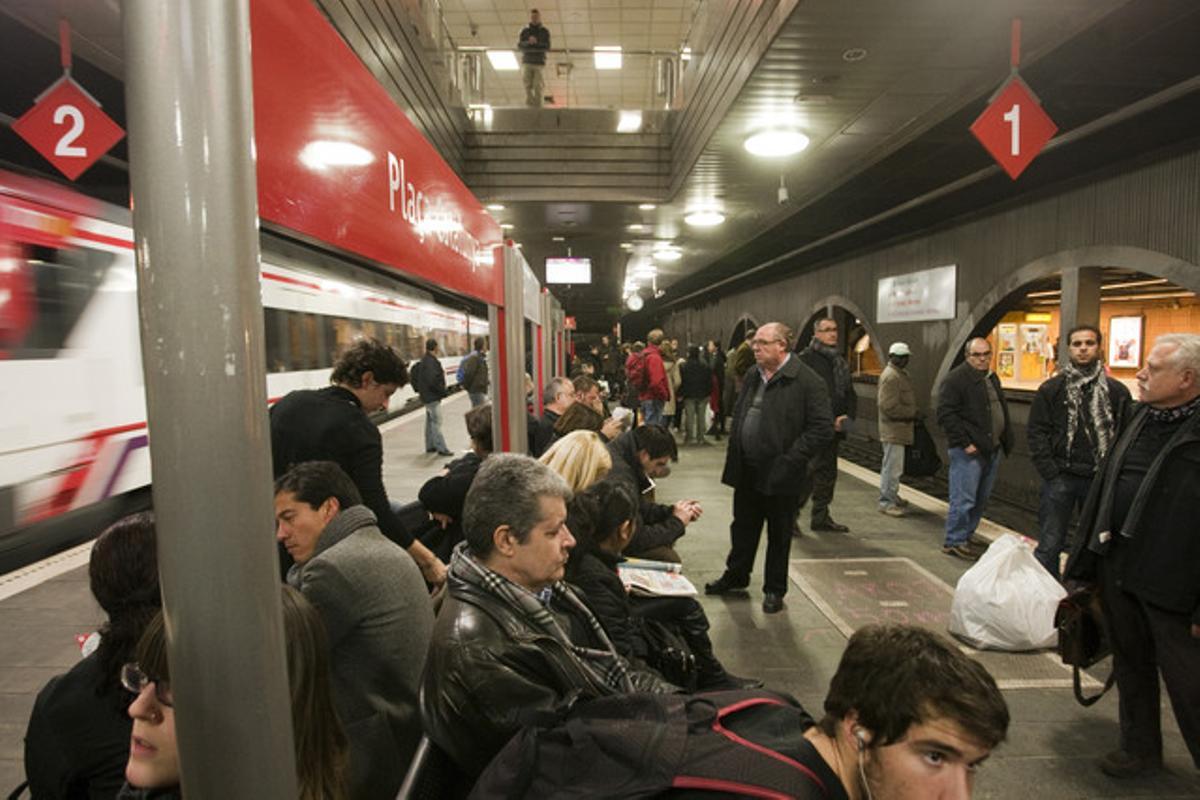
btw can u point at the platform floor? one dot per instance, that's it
(1053, 742)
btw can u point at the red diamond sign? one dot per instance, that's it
(1014, 128)
(68, 128)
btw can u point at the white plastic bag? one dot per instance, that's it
(1007, 600)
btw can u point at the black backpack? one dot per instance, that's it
(921, 458)
(649, 745)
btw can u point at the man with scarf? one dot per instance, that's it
(1074, 419)
(512, 639)
(1139, 540)
(825, 358)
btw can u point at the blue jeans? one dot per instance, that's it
(477, 398)
(889, 474)
(971, 481)
(433, 428)
(652, 412)
(1060, 497)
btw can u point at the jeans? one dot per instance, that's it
(889, 473)
(971, 481)
(693, 419)
(433, 428)
(1060, 497)
(477, 398)
(652, 412)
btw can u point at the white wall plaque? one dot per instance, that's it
(928, 294)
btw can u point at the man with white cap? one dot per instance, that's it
(897, 413)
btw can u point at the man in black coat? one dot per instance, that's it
(824, 358)
(1138, 540)
(1075, 417)
(557, 397)
(973, 413)
(331, 424)
(639, 456)
(781, 422)
(430, 383)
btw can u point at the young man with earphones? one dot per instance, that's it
(908, 716)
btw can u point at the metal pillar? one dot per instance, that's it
(547, 354)
(1080, 303)
(497, 387)
(188, 93)
(513, 360)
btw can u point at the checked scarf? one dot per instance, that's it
(604, 664)
(841, 370)
(1099, 409)
(1177, 413)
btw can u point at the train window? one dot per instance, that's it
(414, 346)
(304, 340)
(46, 293)
(277, 339)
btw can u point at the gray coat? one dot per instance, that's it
(379, 619)
(897, 406)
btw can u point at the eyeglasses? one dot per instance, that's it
(764, 342)
(979, 355)
(135, 681)
(827, 330)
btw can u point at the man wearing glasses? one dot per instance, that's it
(826, 359)
(781, 423)
(973, 414)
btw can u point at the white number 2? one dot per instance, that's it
(1014, 118)
(65, 145)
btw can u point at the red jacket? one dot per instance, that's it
(657, 387)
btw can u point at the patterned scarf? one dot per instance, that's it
(604, 664)
(1177, 413)
(841, 370)
(1099, 408)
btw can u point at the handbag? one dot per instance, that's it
(920, 458)
(1083, 636)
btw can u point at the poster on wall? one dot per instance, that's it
(1005, 363)
(925, 295)
(1125, 342)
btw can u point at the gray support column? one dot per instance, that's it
(1080, 303)
(514, 340)
(496, 385)
(548, 304)
(188, 94)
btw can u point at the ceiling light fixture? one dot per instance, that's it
(776, 143)
(647, 206)
(558, 238)
(506, 226)
(637, 226)
(635, 302)
(604, 57)
(495, 207)
(704, 218)
(503, 60)
(667, 254)
(685, 54)
(629, 122)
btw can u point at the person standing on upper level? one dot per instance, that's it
(533, 42)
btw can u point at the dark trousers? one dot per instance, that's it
(1060, 498)
(1145, 640)
(824, 478)
(751, 508)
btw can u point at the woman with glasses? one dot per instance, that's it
(78, 736)
(152, 772)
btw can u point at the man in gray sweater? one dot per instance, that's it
(376, 611)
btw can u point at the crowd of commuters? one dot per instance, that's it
(505, 605)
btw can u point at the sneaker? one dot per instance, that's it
(828, 524)
(961, 551)
(1119, 764)
(893, 511)
(901, 502)
(445, 452)
(772, 603)
(724, 585)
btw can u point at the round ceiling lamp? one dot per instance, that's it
(635, 302)
(776, 143)
(667, 254)
(705, 218)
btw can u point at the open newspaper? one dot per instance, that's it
(655, 578)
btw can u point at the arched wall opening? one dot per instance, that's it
(857, 339)
(738, 334)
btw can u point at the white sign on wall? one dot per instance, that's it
(928, 294)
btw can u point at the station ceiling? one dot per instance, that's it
(885, 91)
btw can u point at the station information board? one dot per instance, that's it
(340, 162)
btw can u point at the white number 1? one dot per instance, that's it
(65, 146)
(1014, 117)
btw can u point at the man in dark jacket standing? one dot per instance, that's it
(376, 612)
(512, 638)
(824, 358)
(1138, 539)
(331, 424)
(431, 388)
(1075, 417)
(973, 414)
(533, 43)
(781, 422)
(475, 374)
(638, 457)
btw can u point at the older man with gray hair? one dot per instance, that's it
(1138, 540)
(512, 639)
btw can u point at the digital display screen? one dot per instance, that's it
(568, 270)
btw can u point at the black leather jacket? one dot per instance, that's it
(489, 671)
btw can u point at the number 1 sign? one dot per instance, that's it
(1014, 128)
(68, 128)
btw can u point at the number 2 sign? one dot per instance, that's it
(68, 128)
(1014, 128)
